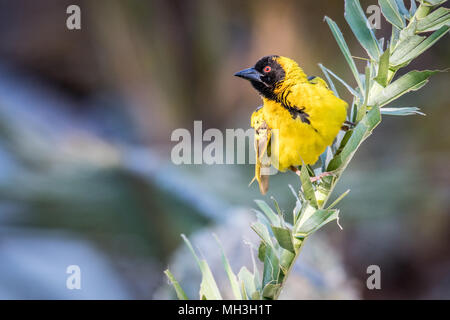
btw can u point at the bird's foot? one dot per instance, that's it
(295, 169)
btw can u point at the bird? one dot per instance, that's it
(299, 117)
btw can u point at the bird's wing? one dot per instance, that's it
(262, 142)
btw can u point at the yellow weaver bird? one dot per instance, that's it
(306, 114)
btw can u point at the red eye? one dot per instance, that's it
(267, 69)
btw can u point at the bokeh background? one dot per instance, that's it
(85, 173)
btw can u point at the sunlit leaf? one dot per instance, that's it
(432, 2)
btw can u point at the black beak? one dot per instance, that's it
(249, 74)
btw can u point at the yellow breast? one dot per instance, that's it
(295, 141)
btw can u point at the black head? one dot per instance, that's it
(264, 76)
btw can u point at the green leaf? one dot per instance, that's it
(298, 205)
(248, 284)
(231, 276)
(208, 286)
(413, 8)
(391, 13)
(280, 214)
(318, 219)
(435, 20)
(363, 108)
(345, 50)
(401, 7)
(383, 68)
(411, 81)
(330, 82)
(284, 238)
(432, 2)
(272, 216)
(271, 291)
(405, 53)
(403, 48)
(335, 202)
(360, 26)
(308, 189)
(180, 292)
(256, 295)
(271, 270)
(262, 231)
(261, 251)
(406, 111)
(349, 88)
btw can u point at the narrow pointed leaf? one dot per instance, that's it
(180, 292)
(413, 8)
(402, 8)
(317, 220)
(360, 26)
(272, 216)
(262, 231)
(344, 49)
(411, 81)
(383, 68)
(335, 202)
(435, 20)
(308, 189)
(231, 276)
(405, 111)
(419, 47)
(347, 86)
(248, 283)
(391, 13)
(330, 82)
(208, 286)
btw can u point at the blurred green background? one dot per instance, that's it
(85, 172)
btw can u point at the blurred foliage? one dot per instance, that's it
(77, 109)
